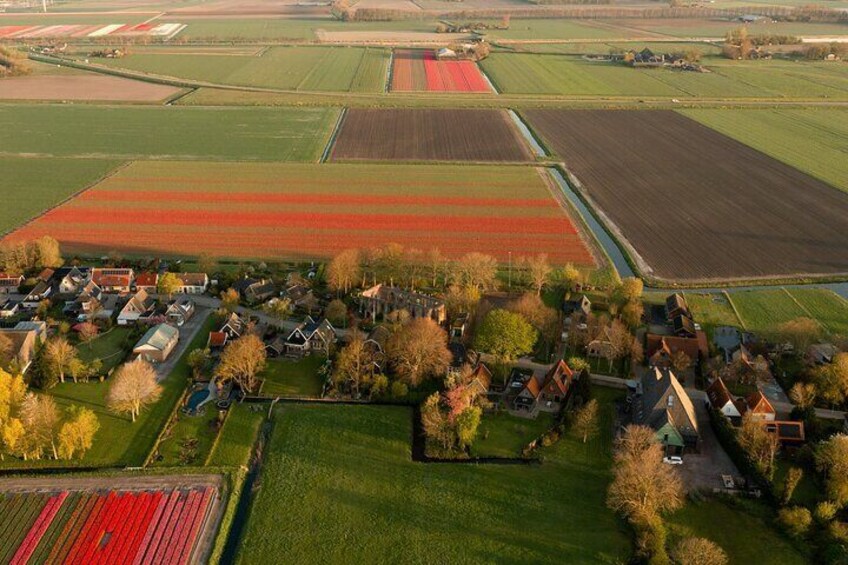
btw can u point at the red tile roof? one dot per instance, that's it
(217, 339)
(759, 404)
(147, 279)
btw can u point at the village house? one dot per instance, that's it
(759, 407)
(41, 291)
(254, 290)
(69, 281)
(311, 336)
(217, 341)
(148, 282)
(24, 345)
(10, 284)
(139, 307)
(87, 303)
(233, 327)
(113, 280)
(158, 343)
(480, 380)
(601, 347)
(548, 394)
(577, 308)
(719, 398)
(459, 326)
(665, 407)
(680, 335)
(9, 308)
(180, 310)
(381, 300)
(193, 283)
(300, 296)
(821, 353)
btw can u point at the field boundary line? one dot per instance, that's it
(67, 199)
(806, 310)
(331, 142)
(735, 310)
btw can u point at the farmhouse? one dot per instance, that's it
(234, 327)
(9, 284)
(113, 280)
(665, 407)
(158, 343)
(661, 349)
(382, 300)
(311, 336)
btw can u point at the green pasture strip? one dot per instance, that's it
(287, 378)
(764, 310)
(812, 140)
(712, 309)
(136, 132)
(236, 439)
(830, 309)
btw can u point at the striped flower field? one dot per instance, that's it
(419, 71)
(109, 526)
(268, 211)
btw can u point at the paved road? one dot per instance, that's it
(187, 333)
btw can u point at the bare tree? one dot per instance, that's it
(760, 445)
(803, 395)
(355, 364)
(40, 418)
(419, 349)
(343, 270)
(643, 486)
(539, 271)
(87, 332)
(59, 359)
(242, 361)
(800, 332)
(435, 264)
(476, 270)
(134, 387)
(585, 423)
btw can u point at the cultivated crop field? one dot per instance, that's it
(419, 71)
(338, 69)
(313, 211)
(88, 87)
(133, 132)
(38, 184)
(105, 525)
(528, 73)
(342, 467)
(695, 204)
(813, 140)
(424, 135)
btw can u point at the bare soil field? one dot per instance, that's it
(695, 204)
(429, 135)
(83, 87)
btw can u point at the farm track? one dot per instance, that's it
(680, 195)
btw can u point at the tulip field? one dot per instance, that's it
(419, 70)
(307, 211)
(104, 526)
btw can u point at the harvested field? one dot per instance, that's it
(83, 87)
(244, 210)
(420, 71)
(694, 204)
(424, 135)
(73, 521)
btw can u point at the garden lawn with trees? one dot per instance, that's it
(238, 435)
(348, 470)
(284, 377)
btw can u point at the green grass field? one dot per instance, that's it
(236, 439)
(346, 472)
(124, 132)
(285, 29)
(110, 348)
(559, 29)
(189, 440)
(39, 184)
(711, 309)
(293, 378)
(569, 75)
(743, 531)
(764, 310)
(504, 435)
(830, 309)
(335, 69)
(813, 140)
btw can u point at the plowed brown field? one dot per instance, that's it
(696, 204)
(425, 135)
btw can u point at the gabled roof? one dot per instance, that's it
(558, 378)
(683, 324)
(108, 277)
(531, 385)
(481, 377)
(193, 279)
(662, 392)
(217, 339)
(147, 279)
(759, 404)
(676, 303)
(719, 396)
(158, 337)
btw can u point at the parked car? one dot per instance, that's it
(673, 460)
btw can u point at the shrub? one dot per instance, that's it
(825, 511)
(698, 551)
(399, 389)
(796, 520)
(651, 537)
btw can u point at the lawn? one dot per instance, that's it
(338, 484)
(38, 184)
(504, 435)
(711, 310)
(743, 531)
(830, 309)
(110, 347)
(293, 378)
(134, 132)
(120, 442)
(236, 439)
(812, 140)
(334, 69)
(189, 440)
(763, 310)
(807, 493)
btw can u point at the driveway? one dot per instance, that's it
(704, 469)
(187, 333)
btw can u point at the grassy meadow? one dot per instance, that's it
(813, 140)
(39, 184)
(346, 472)
(335, 69)
(136, 132)
(283, 377)
(236, 438)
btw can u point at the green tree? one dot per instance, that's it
(505, 335)
(466, 426)
(169, 284)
